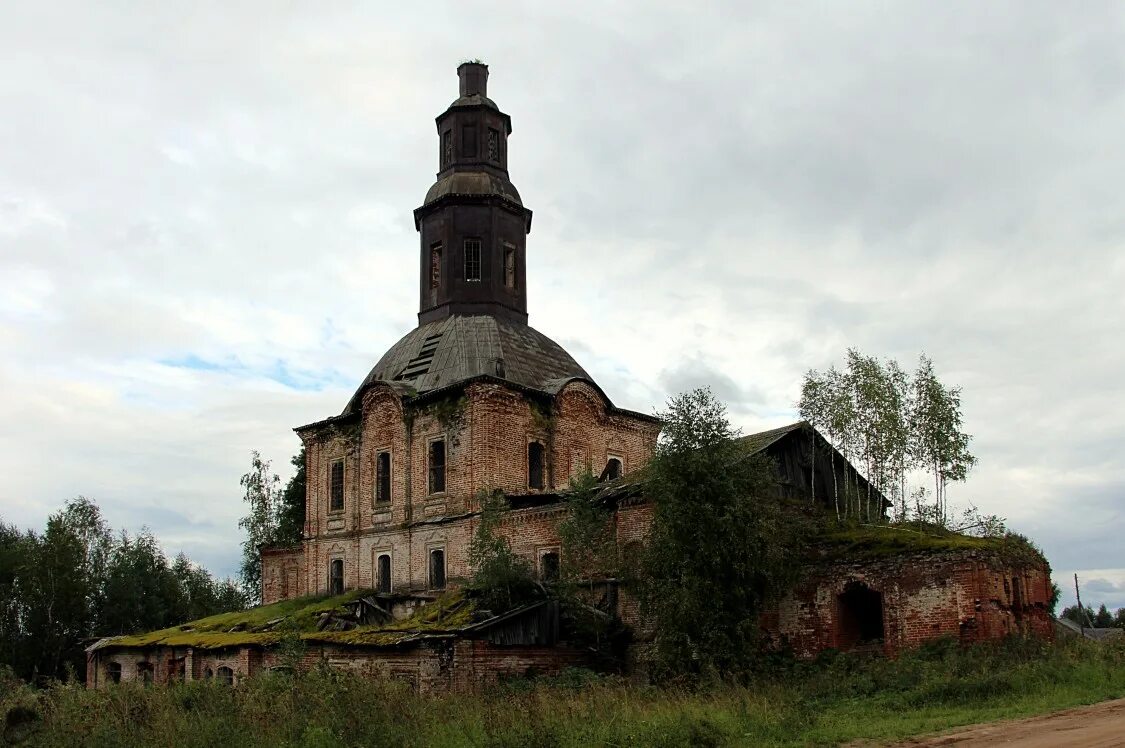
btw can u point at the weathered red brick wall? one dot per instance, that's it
(970, 596)
(465, 665)
(283, 574)
(487, 435)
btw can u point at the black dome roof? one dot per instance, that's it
(451, 350)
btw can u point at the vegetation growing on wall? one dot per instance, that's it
(501, 579)
(720, 548)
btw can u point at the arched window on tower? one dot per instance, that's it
(435, 267)
(472, 259)
(535, 467)
(509, 266)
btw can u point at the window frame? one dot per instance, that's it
(435, 265)
(430, 581)
(542, 465)
(332, 507)
(472, 250)
(544, 553)
(113, 671)
(379, 580)
(332, 562)
(620, 462)
(430, 466)
(383, 477)
(511, 269)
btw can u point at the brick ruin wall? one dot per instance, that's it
(486, 442)
(464, 665)
(970, 596)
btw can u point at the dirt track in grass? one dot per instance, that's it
(1095, 726)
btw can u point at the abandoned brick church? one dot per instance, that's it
(474, 399)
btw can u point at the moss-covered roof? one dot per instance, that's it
(269, 624)
(873, 542)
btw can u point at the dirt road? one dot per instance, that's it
(1097, 726)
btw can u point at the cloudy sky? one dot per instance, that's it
(206, 234)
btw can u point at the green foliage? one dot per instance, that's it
(871, 542)
(588, 545)
(291, 509)
(77, 581)
(836, 700)
(889, 423)
(720, 547)
(501, 579)
(260, 493)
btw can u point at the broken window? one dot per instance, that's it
(493, 144)
(435, 266)
(549, 566)
(860, 619)
(535, 465)
(336, 577)
(446, 148)
(612, 469)
(176, 669)
(383, 571)
(437, 569)
(113, 672)
(336, 486)
(437, 466)
(472, 259)
(383, 477)
(225, 676)
(509, 266)
(145, 673)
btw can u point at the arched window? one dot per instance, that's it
(549, 566)
(437, 569)
(535, 465)
(437, 466)
(336, 577)
(613, 468)
(113, 672)
(336, 486)
(383, 477)
(225, 676)
(383, 568)
(472, 259)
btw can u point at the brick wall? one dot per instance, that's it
(465, 664)
(486, 435)
(970, 596)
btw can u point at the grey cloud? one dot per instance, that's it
(759, 185)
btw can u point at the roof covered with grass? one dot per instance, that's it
(301, 618)
(874, 542)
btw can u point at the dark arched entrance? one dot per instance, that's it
(859, 616)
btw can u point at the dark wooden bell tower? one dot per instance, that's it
(473, 225)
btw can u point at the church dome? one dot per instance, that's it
(475, 183)
(448, 351)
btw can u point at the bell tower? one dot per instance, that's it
(472, 224)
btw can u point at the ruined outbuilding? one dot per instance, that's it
(475, 400)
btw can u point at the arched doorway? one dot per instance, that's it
(859, 616)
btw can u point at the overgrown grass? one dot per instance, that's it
(835, 700)
(267, 624)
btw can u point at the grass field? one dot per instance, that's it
(832, 701)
